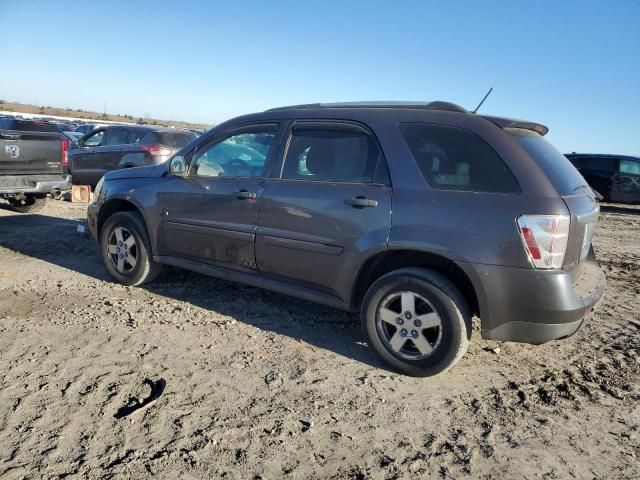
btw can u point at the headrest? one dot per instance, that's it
(321, 158)
(462, 168)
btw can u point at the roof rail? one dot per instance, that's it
(436, 105)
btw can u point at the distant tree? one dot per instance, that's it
(104, 115)
(41, 111)
(1, 102)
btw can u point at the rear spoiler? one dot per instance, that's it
(513, 123)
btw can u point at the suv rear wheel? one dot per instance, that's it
(125, 249)
(417, 321)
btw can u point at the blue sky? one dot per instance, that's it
(572, 65)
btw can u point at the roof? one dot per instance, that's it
(599, 155)
(435, 105)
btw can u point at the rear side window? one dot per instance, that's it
(136, 136)
(452, 158)
(117, 136)
(629, 167)
(558, 169)
(175, 139)
(333, 155)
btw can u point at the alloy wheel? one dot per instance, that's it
(409, 325)
(122, 249)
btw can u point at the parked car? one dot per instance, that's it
(113, 147)
(73, 137)
(64, 127)
(33, 163)
(418, 216)
(615, 177)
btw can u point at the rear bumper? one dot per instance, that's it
(34, 183)
(534, 306)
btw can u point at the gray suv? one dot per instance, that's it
(417, 216)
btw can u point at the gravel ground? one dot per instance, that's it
(259, 385)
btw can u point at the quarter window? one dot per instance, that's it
(241, 155)
(318, 154)
(451, 158)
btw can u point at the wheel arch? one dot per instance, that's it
(116, 205)
(384, 262)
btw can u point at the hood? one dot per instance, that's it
(137, 172)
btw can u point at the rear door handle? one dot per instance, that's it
(361, 202)
(244, 194)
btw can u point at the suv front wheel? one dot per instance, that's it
(417, 321)
(125, 249)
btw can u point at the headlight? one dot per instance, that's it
(98, 190)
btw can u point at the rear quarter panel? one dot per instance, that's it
(463, 226)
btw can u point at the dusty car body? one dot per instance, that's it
(418, 216)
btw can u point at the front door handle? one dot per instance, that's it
(244, 194)
(361, 202)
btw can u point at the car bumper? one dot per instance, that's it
(34, 184)
(92, 219)
(534, 306)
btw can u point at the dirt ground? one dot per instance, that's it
(259, 385)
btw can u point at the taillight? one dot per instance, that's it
(64, 160)
(545, 238)
(157, 150)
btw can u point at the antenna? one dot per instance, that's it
(485, 97)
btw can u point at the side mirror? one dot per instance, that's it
(178, 166)
(79, 143)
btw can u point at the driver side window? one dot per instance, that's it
(94, 140)
(241, 155)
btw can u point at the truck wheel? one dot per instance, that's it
(126, 251)
(417, 321)
(28, 204)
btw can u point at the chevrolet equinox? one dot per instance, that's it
(418, 216)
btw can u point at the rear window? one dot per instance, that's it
(27, 126)
(175, 139)
(558, 169)
(451, 158)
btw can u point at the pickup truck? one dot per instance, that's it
(33, 163)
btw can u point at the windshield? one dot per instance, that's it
(560, 171)
(175, 139)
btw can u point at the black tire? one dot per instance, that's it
(28, 205)
(146, 269)
(445, 300)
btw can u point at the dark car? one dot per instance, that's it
(113, 147)
(418, 216)
(65, 127)
(615, 177)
